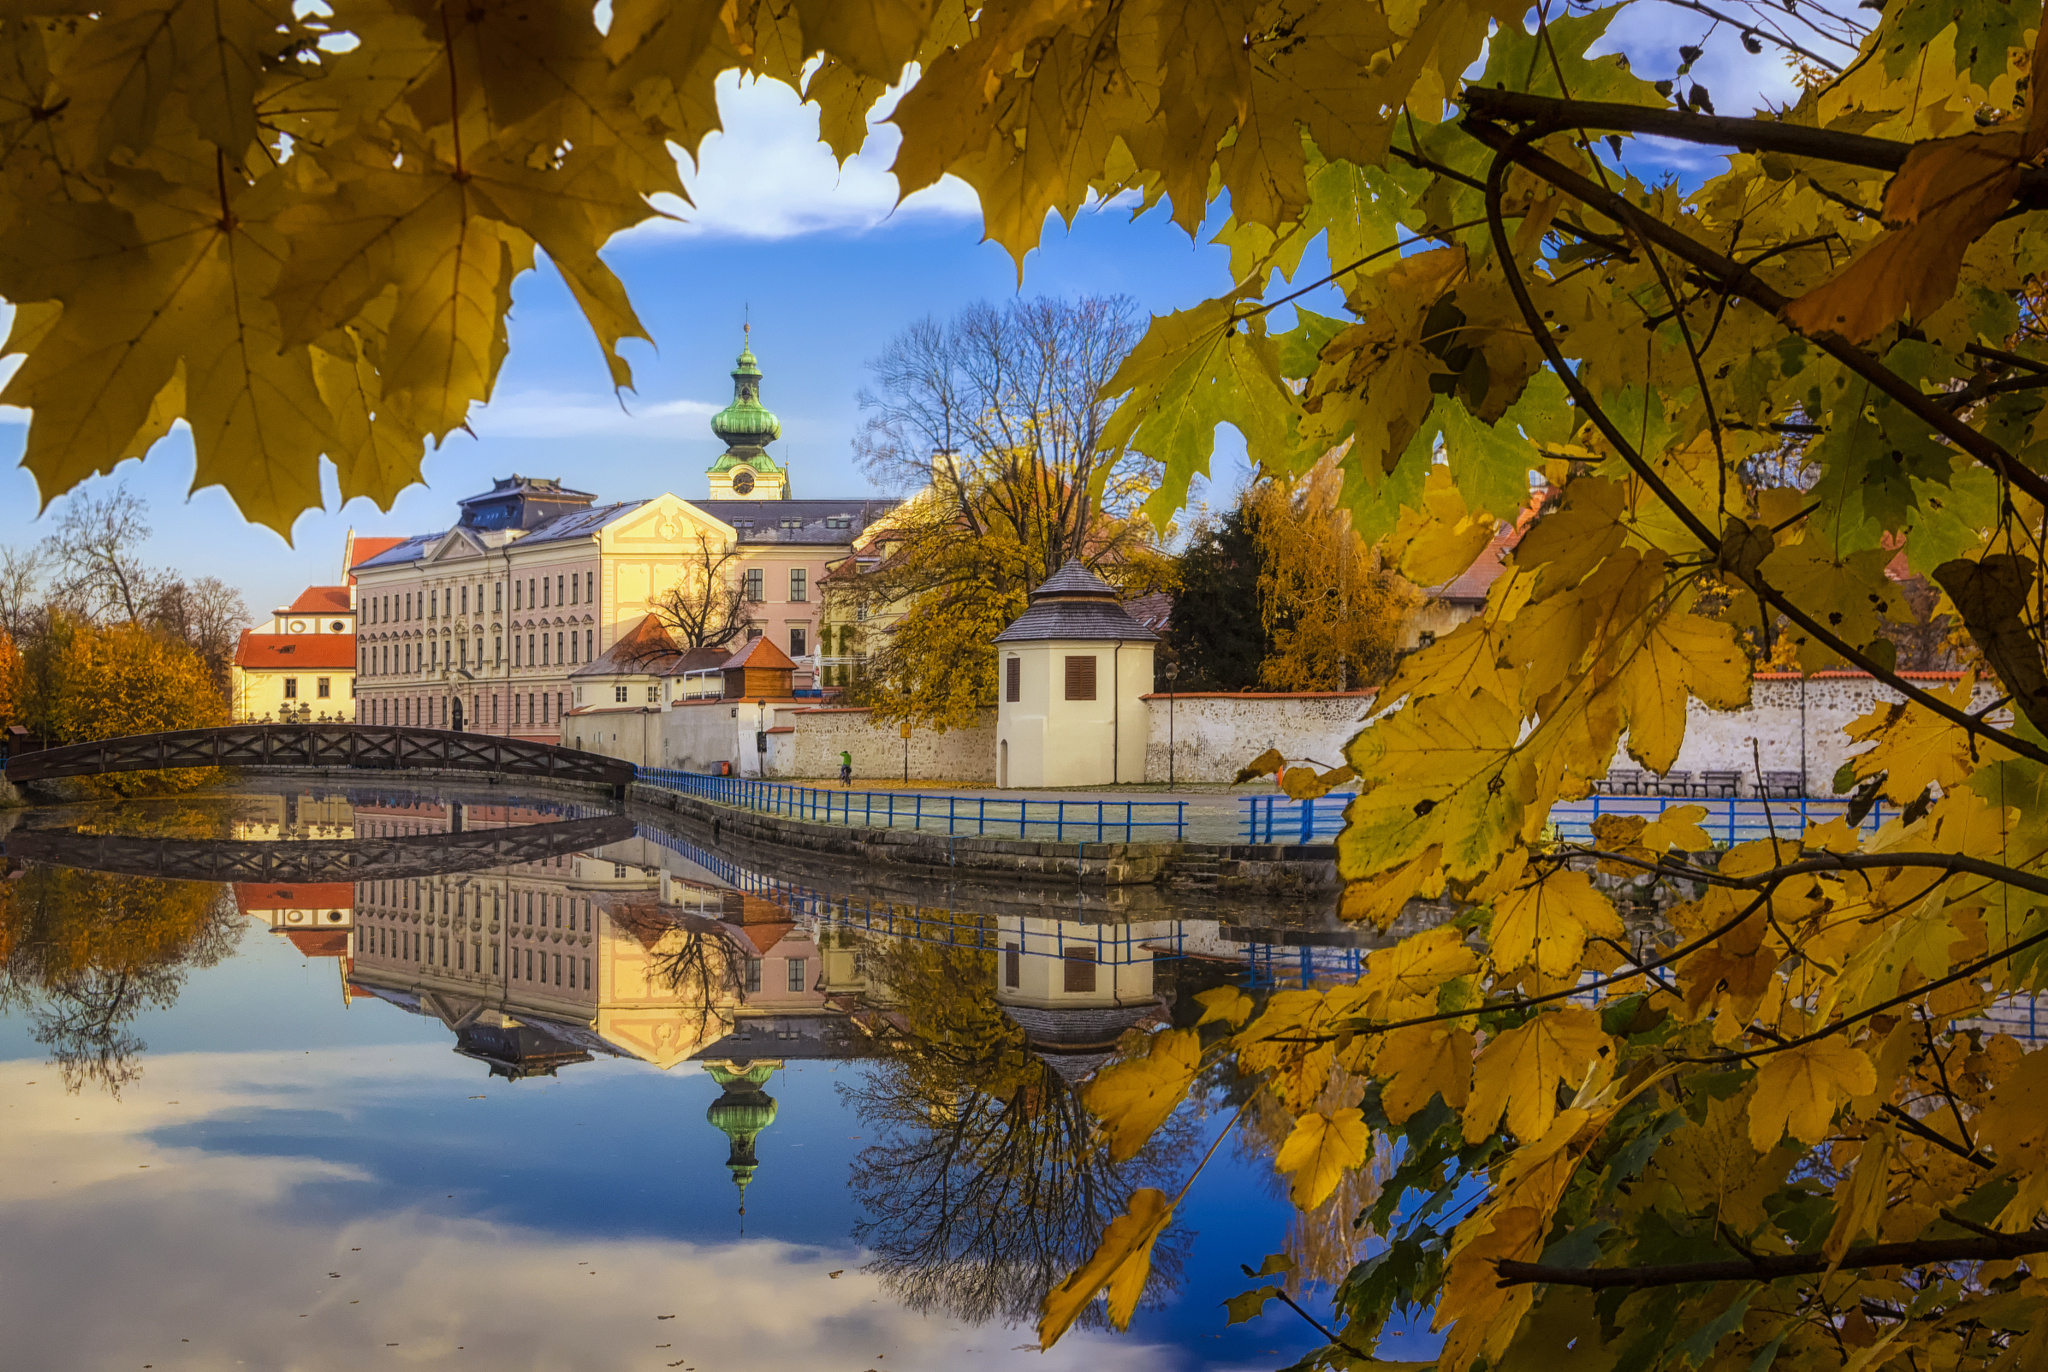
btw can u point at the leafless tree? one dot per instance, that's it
(205, 613)
(1000, 413)
(976, 1203)
(96, 554)
(21, 576)
(706, 607)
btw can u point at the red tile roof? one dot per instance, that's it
(321, 600)
(320, 943)
(309, 895)
(310, 652)
(364, 549)
(761, 653)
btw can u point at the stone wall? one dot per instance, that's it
(818, 734)
(1795, 725)
(1216, 734)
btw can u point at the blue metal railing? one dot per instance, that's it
(1065, 821)
(1728, 821)
(1277, 819)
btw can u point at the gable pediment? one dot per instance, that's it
(667, 526)
(456, 545)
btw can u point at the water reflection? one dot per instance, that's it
(977, 1180)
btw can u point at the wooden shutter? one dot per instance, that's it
(1013, 680)
(1081, 678)
(1080, 962)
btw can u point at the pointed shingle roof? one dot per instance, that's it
(1075, 603)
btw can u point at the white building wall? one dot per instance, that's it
(820, 733)
(1044, 739)
(1216, 734)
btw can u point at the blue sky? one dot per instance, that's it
(830, 268)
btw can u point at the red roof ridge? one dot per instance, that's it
(321, 600)
(313, 652)
(760, 652)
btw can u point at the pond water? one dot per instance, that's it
(348, 1077)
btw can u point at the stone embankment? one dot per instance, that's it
(1221, 868)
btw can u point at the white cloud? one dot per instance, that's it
(199, 1257)
(568, 414)
(766, 175)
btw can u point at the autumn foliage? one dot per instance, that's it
(1772, 1126)
(81, 682)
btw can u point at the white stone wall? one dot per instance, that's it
(1216, 734)
(818, 734)
(1795, 725)
(1791, 726)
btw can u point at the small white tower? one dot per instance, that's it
(1071, 677)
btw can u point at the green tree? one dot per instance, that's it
(1217, 636)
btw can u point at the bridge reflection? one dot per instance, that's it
(347, 860)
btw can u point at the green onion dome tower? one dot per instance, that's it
(741, 1114)
(745, 471)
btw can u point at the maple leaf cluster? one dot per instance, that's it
(1774, 1126)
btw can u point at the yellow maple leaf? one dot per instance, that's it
(1481, 1312)
(1320, 1151)
(1544, 924)
(1120, 1265)
(1518, 1073)
(1225, 1003)
(1135, 1096)
(2014, 1125)
(1860, 1196)
(1946, 195)
(1452, 775)
(1423, 1061)
(1798, 1089)
(1917, 747)
(1678, 827)
(1404, 980)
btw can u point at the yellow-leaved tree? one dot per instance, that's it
(1773, 1133)
(81, 682)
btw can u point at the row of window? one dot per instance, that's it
(1079, 678)
(323, 687)
(432, 712)
(569, 588)
(529, 650)
(469, 956)
(753, 584)
(797, 980)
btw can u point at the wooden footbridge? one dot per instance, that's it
(352, 860)
(365, 747)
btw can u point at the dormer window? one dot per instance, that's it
(792, 524)
(839, 521)
(743, 524)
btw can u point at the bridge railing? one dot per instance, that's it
(1063, 821)
(1728, 821)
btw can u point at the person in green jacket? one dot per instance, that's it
(845, 768)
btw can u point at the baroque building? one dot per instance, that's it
(492, 616)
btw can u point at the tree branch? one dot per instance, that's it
(1713, 130)
(1740, 280)
(1918, 1253)
(1512, 148)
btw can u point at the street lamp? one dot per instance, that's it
(1172, 671)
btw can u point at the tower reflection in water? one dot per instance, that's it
(985, 1179)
